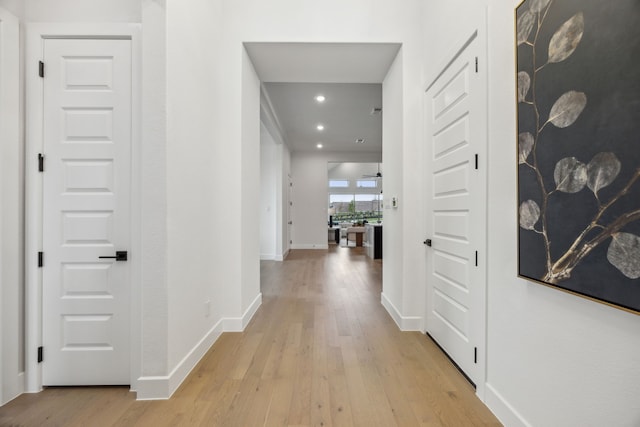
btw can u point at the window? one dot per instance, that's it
(368, 204)
(356, 207)
(338, 183)
(366, 183)
(340, 202)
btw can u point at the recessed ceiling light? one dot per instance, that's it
(320, 127)
(320, 98)
(319, 145)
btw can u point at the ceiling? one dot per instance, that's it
(349, 75)
(345, 114)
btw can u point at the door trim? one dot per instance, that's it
(477, 31)
(36, 34)
(11, 380)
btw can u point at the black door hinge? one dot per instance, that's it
(476, 64)
(40, 354)
(476, 161)
(40, 259)
(41, 69)
(40, 162)
(475, 354)
(476, 258)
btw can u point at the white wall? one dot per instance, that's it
(282, 227)
(250, 189)
(196, 227)
(82, 10)
(11, 213)
(354, 171)
(154, 295)
(392, 149)
(274, 173)
(309, 174)
(15, 7)
(554, 359)
(268, 194)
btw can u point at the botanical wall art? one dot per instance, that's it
(578, 90)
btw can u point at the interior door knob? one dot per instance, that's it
(120, 256)
(427, 242)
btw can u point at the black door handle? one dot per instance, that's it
(120, 256)
(427, 242)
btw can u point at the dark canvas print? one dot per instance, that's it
(578, 77)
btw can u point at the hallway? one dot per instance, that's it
(320, 351)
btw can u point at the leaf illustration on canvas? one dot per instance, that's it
(565, 41)
(572, 173)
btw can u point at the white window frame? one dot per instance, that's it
(361, 181)
(339, 186)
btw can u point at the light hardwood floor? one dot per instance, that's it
(321, 351)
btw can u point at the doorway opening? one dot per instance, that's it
(337, 118)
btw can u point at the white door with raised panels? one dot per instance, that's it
(86, 211)
(455, 107)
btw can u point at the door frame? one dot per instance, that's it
(11, 379)
(478, 32)
(36, 34)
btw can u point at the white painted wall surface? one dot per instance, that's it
(249, 189)
(392, 149)
(268, 194)
(282, 243)
(14, 7)
(280, 168)
(354, 171)
(554, 359)
(309, 174)
(154, 302)
(83, 10)
(11, 213)
(196, 229)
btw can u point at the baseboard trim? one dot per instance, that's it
(283, 256)
(13, 388)
(267, 257)
(497, 404)
(237, 324)
(324, 246)
(405, 323)
(162, 387)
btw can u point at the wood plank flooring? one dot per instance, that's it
(321, 351)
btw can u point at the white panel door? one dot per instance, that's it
(86, 211)
(456, 206)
